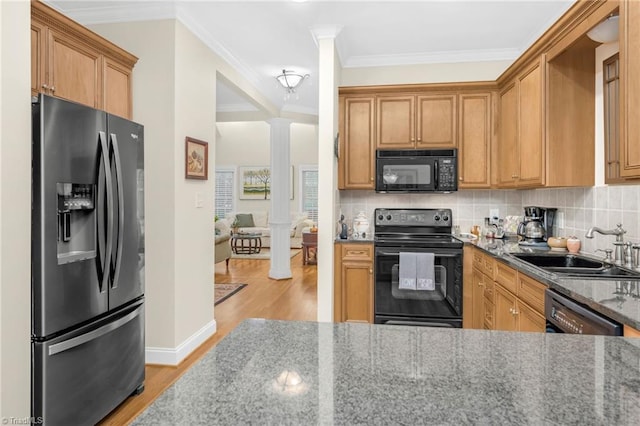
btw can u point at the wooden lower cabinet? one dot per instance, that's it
(513, 314)
(505, 305)
(353, 283)
(501, 297)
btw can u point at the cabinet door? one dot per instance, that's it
(629, 88)
(357, 292)
(396, 122)
(38, 58)
(505, 308)
(478, 280)
(529, 319)
(474, 144)
(530, 127)
(75, 70)
(117, 89)
(436, 121)
(357, 147)
(507, 157)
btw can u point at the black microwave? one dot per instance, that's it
(411, 170)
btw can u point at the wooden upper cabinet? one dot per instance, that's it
(416, 121)
(38, 77)
(630, 88)
(396, 122)
(531, 126)
(436, 121)
(521, 148)
(474, 155)
(356, 168)
(117, 80)
(74, 70)
(71, 62)
(507, 152)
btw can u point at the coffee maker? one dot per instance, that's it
(537, 225)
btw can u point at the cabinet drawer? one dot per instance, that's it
(478, 259)
(489, 266)
(484, 263)
(507, 277)
(532, 292)
(357, 251)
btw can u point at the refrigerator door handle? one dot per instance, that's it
(109, 210)
(98, 332)
(120, 189)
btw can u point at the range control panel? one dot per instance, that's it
(414, 217)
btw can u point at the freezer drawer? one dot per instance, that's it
(78, 378)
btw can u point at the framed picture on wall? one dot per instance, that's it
(196, 161)
(255, 183)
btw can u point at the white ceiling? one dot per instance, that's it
(261, 38)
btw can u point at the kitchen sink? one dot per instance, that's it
(575, 265)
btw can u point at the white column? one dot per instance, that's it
(328, 81)
(280, 217)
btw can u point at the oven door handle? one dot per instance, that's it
(385, 253)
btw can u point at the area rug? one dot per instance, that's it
(222, 292)
(264, 254)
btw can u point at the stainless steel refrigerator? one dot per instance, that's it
(87, 334)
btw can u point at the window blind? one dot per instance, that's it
(224, 193)
(310, 193)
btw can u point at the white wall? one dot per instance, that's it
(248, 144)
(174, 97)
(153, 106)
(15, 209)
(426, 73)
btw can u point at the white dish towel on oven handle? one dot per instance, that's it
(425, 272)
(407, 271)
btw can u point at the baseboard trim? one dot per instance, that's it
(169, 356)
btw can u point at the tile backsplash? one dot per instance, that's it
(582, 208)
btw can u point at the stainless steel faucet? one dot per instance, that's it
(619, 232)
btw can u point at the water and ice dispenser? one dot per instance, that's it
(76, 222)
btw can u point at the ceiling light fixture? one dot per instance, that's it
(606, 31)
(290, 80)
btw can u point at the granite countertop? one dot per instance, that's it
(348, 374)
(616, 299)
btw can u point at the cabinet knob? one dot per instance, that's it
(514, 176)
(461, 178)
(419, 139)
(53, 88)
(413, 139)
(370, 271)
(44, 86)
(480, 284)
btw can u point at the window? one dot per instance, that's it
(309, 191)
(225, 179)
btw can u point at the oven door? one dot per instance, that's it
(406, 174)
(440, 307)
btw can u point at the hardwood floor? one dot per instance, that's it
(292, 299)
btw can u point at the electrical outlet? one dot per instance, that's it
(494, 213)
(199, 200)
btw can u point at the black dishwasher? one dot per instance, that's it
(565, 315)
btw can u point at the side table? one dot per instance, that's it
(309, 248)
(254, 243)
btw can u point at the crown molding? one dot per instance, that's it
(244, 107)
